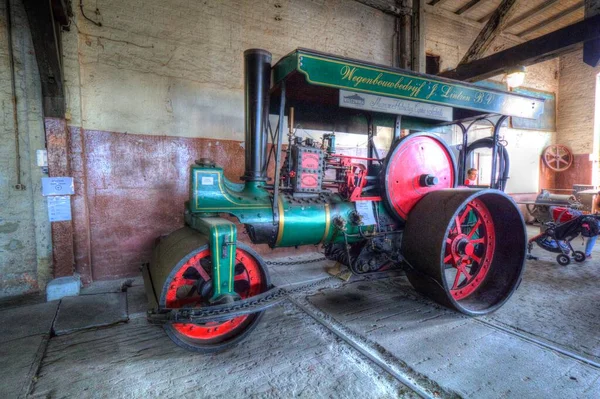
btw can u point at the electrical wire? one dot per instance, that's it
(85, 16)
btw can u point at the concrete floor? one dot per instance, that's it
(373, 338)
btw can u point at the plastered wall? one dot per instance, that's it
(25, 242)
(175, 67)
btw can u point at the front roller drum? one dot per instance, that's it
(180, 276)
(466, 248)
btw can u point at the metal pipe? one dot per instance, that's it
(496, 183)
(13, 88)
(257, 81)
(276, 183)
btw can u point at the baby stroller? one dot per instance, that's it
(568, 225)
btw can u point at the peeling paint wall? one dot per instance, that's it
(25, 241)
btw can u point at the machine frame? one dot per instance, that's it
(311, 85)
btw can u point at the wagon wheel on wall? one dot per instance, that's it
(557, 157)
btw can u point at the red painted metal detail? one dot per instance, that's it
(355, 179)
(469, 249)
(413, 157)
(310, 160)
(309, 180)
(248, 282)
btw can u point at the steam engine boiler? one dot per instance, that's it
(464, 248)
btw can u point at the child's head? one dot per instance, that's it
(472, 174)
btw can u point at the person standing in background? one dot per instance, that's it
(471, 179)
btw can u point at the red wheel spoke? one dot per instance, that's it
(240, 277)
(478, 241)
(465, 213)
(563, 161)
(457, 222)
(202, 272)
(456, 279)
(474, 229)
(448, 258)
(476, 258)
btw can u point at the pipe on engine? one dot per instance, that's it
(257, 81)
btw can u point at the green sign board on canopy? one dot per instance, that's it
(331, 71)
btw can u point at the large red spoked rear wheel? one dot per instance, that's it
(466, 248)
(180, 290)
(469, 249)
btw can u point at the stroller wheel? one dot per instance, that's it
(563, 260)
(579, 256)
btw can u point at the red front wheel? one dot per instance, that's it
(180, 276)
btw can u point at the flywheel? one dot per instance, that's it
(465, 248)
(557, 157)
(415, 166)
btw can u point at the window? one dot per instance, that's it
(432, 64)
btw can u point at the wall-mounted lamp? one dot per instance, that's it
(515, 76)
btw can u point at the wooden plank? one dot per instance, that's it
(536, 50)
(467, 7)
(552, 19)
(46, 38)
(386, 7)
(437, 2)
(418, 36)
(489, 32)
(591, 48)
(531, 13)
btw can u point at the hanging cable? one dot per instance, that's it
(11, 62)
(85, 16)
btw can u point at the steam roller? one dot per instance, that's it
(462, 247)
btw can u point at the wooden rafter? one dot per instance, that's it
(531, 52)
(546, 22)
(591, 48)
(467, 7)
(45, 35)
(531, 13)
(495, 25)
(437, 2)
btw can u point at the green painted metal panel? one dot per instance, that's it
(211, 192)
(331, 71)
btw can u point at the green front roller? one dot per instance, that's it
(180, 275)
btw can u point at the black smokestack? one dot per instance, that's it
(257, 81)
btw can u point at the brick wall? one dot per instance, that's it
(576, 106)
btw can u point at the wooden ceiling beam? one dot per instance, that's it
(531, 52)
(591, 48)
(45, 35)
(467, 7)
(437, 2)
(531, 13)
(494, 26)
(546, 22)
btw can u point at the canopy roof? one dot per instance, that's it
(319, 84)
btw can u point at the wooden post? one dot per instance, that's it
(494, 26)
(404, 43)
(591, 48)
(418, 36)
